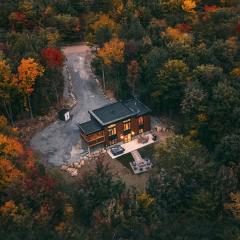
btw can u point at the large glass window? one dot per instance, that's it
(126, 125)
(112, 130)
(127, 138)
(96, 136)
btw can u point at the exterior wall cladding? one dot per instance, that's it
(134, 128)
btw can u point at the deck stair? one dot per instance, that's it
(136, 156)
(139, 165)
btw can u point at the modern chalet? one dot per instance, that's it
(115, 122)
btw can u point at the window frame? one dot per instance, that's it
(127, 125)
(112, 130)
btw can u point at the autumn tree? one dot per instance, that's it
(8, 173)
(104, 28)
(18, 20)
(53, 57)
(234, 205)
(6, 86)
(175, 34)
(133, 75)
(112, 54)
(28, 71)
(189, 6)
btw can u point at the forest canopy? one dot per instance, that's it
(182, 59)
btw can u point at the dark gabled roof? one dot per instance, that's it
(111, 113)
(90, 127)
(137, 107)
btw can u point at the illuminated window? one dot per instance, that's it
(126, 125)
(95, 136)
(112, 130)
(140, 121)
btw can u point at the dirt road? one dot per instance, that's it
(60, 142)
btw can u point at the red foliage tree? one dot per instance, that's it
(238, 28)
(211, 8)
(53, 57)
(18, 17)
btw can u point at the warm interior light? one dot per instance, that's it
(121, 137)
(133, 133)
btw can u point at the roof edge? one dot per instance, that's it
(79, 126)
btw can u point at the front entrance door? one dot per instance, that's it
(127, 138)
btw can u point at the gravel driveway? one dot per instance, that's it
(60, 142)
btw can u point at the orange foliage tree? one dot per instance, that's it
(5, 87)
(28, 71)
(112, 51)
(8, 173)
(175, 34)
(189, 6)
(10, 147)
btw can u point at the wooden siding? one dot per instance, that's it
(147, 123)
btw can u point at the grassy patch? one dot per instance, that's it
(125, 160)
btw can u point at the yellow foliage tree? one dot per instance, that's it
(112, 51)
(145, 199)
(189, 6)
(53, 37)
(146, 204)
(235, 72)
(104, 21)
(26, 6)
